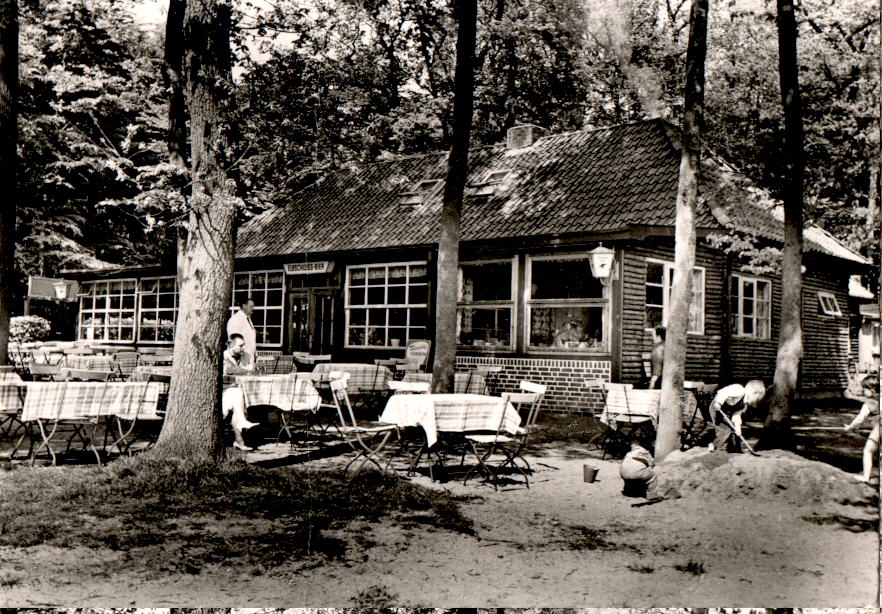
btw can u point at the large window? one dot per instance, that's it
(659, 279)
(484, 313)
(386, 304)
(567, 307)
(751, 307)
(107, 310)
(157, 309)
(267, 290)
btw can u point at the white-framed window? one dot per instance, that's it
(485, 307)
(751, 307)
(267, 290)
(567, 307)
(157, 309)
(419, 192)
(386, 304)
(107, 310)
(492, 181)
(828, 305)
(659, 279)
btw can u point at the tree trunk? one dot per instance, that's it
(206, 250)
(8, 162)
(457, 171)
(674, 370)
(777, 428)
(174, 82)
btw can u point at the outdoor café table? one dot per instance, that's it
(463, 383)
(86, 362)
(288, 393)
(12, 393)
(451, 413)
(362, 377)
(54, 403)
(142, 373)
(630, 406)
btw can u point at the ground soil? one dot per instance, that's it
(774, 530)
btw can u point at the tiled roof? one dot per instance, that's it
(566, 184)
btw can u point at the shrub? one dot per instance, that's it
(23, 329)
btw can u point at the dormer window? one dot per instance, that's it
(491, 182)
(417, 195)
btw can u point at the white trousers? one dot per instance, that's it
(233, 400)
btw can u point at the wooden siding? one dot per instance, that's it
(825, 354)
(703, 355)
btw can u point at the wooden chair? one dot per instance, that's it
(44, 372)
(528, 403)
(416, 357)
(410, 387)
(366, 438)
(88, 375)
(124, 363)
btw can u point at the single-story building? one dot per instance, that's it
(348, 268)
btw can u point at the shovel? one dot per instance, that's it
(737, 433)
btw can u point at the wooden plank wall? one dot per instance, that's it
(826, 346)
(703, 359)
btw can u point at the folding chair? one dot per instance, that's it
(284, 364)
(44, 372)
(88, 375)
(155, 359)
(694, 411)
(124, 363)
(511, 447)
(486, 372)
(11, 426)
(127, 411)
(410, 387)
(368, 438)
(620, 418)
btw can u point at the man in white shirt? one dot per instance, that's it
(236, 362)
(240, 324)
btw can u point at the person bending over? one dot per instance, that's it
(638, 471)
(870, 407)
(236, 361)
(732, 401)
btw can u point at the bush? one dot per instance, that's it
(23, 329)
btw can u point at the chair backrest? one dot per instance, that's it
(79, 351)
(164, 351)
(341, 402)
(9, 373)
(44, 371)
(125, 362)
(269, 352)
(646, 363)
(410, 387)
(155, 359)
(528, 402)
(88, 375)
(417, 352)
(284, 364)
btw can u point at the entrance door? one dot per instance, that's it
(312, 320)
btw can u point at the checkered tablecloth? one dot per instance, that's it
(11, 397)
(463, 383)
(453, 413)
(362, 377)
(142, 373)
(287, 392)
(78, 400)
(634, 406)
(89, 362)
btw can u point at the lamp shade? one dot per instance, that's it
(601, 262)
(60, 290)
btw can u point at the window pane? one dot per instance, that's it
(356, 277)
(655, 273)
(258, 281)
(747, 326)
(484, 326)
(274, 298)
(399, 335)
(398, 274)
(567, 327)
(376, 296)
(356, 296)
(241, 282)
(356, 336)
(274, 317)
(148, 301)
(376, 276)
(655, 295)
(397, 295)
(654, 317)
(377, 317)
(486, 282)
(358, 316)
(398, 317)
(418, 273)
(748, 290)
(419, 316)
(564, 279)
(418, 294)
(416, 332)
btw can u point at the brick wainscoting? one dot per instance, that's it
(564, 378)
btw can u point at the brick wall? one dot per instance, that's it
(564, 378)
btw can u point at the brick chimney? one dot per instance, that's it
(524, 135)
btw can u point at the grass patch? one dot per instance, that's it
(855, 525)
(181, 516)
(694, 567)
(638, 568)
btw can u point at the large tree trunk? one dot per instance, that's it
(457, 171)
(205, 259)
(674, 370)
(8, 162)
(777, 429)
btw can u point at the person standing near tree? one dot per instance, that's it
(240, 324)
(657, 357)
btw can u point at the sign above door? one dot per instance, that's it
(309, 268)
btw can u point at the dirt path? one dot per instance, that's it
(560, 543)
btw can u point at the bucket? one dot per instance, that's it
(589, 473)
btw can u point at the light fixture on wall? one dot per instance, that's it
(602, 259)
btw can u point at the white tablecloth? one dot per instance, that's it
(456, 413)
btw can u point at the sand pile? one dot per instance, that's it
(773, 474)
